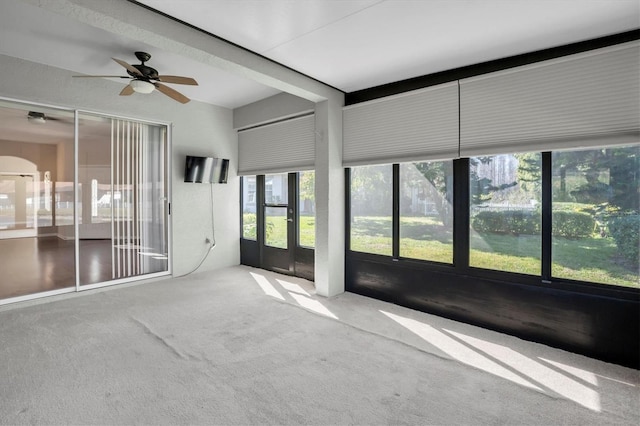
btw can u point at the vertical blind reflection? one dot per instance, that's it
(138, 225)
(122, 193)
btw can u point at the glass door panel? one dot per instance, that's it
(122, 202)
(278, 221)
(276, 225)
(306, 209)
(249, 213)
(37, 253)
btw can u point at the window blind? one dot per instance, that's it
(284, 146)
(417, 125)
(583, 100)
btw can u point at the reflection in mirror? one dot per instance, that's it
(36, 158)
(122, 202)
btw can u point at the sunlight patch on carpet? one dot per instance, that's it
(312, 305)
(457, 350)
(266, 286)
(539, 373)
(293, 287)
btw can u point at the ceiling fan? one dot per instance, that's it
(145, 79)
(37, 117)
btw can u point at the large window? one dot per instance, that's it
(596, 215)
(592, 203)
(426, 211)
(306, 209)
(371, 209)
(505, 213)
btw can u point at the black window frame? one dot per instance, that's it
(461, 246)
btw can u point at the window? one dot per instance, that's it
(594, 207)
(306, 209)
(249, 229)
(371, 209)
(426, 211)
(596, 215)
(275, 213)
(505, 213)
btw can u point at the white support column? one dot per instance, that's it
(330, 207)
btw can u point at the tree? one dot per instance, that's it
(482, 189)
(619, 166)
(306, 191)
(529, 174)
(624, 178)
(439, 174)
(371, 188)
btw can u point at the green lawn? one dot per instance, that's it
(588, 259)
(592, 259)
(307, 236)
(276, 230)
(509, 253)
(249, 230)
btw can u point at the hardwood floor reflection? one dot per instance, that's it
(34, 265)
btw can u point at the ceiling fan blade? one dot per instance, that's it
(173, 94)
(176, 79)
(130, 68)
(128, 90)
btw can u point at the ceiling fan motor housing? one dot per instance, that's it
(148, 73)
(143, 56)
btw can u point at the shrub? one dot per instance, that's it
(625, 231)
(507, 222)
(524, 222)
(572, 224)
(249, 229)
(573, 207)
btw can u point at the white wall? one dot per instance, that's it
(198, 128)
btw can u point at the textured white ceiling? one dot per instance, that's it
(356, 44)
(349, 44)
(35, 34)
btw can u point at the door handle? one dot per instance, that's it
(289, 220)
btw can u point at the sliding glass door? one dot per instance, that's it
(37, 248)
(79, 210)
(122, 199)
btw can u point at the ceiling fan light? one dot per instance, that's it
(142, 86)
(36, 117)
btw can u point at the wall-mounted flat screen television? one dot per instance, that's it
(206, 170)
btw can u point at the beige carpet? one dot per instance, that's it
(246, 346)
